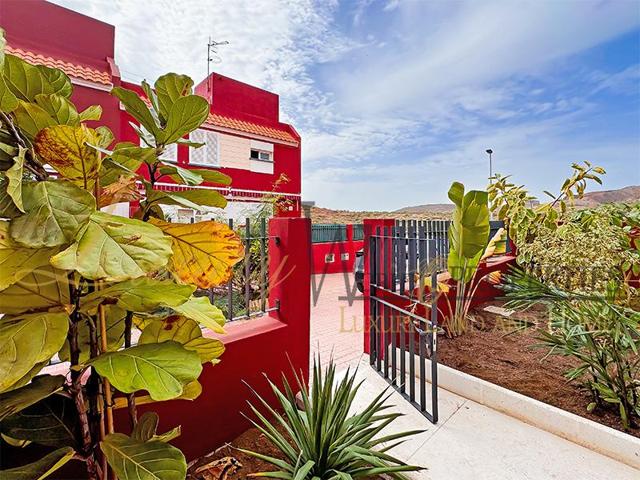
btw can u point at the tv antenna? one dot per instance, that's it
(212, 57)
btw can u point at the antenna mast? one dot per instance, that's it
(212, 56)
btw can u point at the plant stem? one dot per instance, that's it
(76, 383)
(131, 398)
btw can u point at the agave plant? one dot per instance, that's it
(327, 439)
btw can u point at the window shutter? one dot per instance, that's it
(207, 154)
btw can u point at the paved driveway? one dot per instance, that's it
(336, 318)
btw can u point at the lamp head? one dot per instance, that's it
(489, 151)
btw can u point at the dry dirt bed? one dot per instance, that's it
(510, 360)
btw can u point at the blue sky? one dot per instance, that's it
(397, 99)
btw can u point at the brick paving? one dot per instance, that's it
(336, 319)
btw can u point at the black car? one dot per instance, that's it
(358, 270)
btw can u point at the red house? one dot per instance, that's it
(244, 136)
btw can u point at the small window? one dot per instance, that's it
(344, 257)
(260, 155)
(329, 258)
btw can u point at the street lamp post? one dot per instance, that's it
(490, 153)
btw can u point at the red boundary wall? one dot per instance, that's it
(272, 345)
(321, 250)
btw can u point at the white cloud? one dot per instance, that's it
(390, 107)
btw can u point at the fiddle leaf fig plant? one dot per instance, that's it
(76, 282)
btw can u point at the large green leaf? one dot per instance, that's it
(186, 114)
(169, 88)
(41, 289)
(468, 233)
(186, 332)
(8, 101)
(26, 81)
(181, 175)
(14, 178)
(137, 460)
(202, 311)
(55, 213)
(32, 118)
(68, 149)
(115, 324)
(212, 176)
(51, 421)
(42, 386)
(135, 107)
(125, 159)
(16, 260)
(39, 388)
(39, 469)
(162, 369)
(142, 294)
(115, 248)
(189, 198)
(27, 340)
(59, 108)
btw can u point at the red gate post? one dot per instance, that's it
(290, 259)
(370, 226)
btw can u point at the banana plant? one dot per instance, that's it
(77, 282)
(468, 239)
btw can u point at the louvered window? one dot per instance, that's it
(208, 153)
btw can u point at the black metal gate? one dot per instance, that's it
(403, 327)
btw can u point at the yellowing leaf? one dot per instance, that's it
(202, 311)
(43, 288)
(185, 331)
(67, 149)
(204, 253)
(16, 260)
(115, 248)
(122, 190)
(27, 340)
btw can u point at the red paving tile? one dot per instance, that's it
(336, 325)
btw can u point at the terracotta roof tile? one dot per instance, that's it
(216, 120)
(77, 71)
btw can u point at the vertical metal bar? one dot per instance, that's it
(403, 367)
(402, 256)
(263, 265)
(394, 333)
(392, 260)
(433, 340)
(230, 286)
(378, 317)
(423, 380)
(412, 255)
(385, 309)
(412, 360)
(422, 265)
(247, 266)
(373, 307)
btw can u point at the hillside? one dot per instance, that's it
(434, 211)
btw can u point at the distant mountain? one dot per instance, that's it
(433, 211)
(626, 194)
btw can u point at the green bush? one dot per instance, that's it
(327, 439)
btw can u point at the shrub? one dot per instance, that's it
(603, 337)
(328, 440)
(583, 254)
(75, 281)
